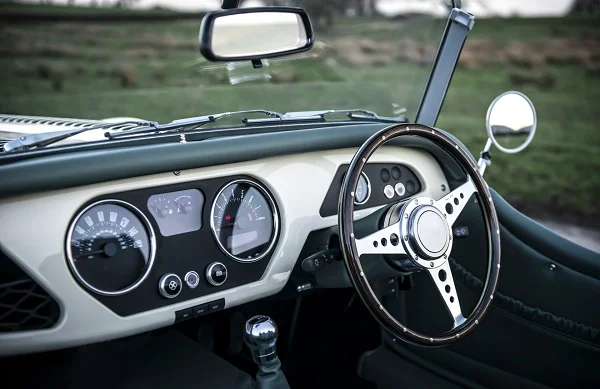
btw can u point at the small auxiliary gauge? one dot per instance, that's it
(363, 190)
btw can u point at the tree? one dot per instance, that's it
(586, 7)
(125, 3)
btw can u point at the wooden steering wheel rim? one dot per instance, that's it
(349, 248)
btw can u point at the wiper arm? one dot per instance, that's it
(181, 125)
(30, 141)
(321, 116)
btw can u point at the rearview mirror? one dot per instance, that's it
(511, 122)
(255, 33)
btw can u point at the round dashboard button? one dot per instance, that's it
(388, 191)
(400, 189)
(216, 274)
(169, 285)
(192, 279)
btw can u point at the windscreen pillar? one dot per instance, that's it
(459, 24)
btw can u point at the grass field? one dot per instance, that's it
(153, 70)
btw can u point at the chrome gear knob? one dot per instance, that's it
(260, 336)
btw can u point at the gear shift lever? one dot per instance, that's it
(260, 336)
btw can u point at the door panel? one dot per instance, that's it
(544, 324)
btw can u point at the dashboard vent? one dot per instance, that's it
(24, 305)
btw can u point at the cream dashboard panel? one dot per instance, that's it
(34, 229)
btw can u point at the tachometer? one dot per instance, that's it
(111, 247)
(244, 221)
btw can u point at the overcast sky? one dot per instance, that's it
(477, 7)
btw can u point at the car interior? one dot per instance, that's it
(291, 252)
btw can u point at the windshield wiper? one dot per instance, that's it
(321, 116)
(30, 141)
(187, 124)
(27, 142)
(182, 125)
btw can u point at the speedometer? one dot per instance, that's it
(244, 221)
(110, 247)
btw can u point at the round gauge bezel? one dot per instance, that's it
(275, 215)
(151, 238)
(363, 174)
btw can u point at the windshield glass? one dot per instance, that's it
(101, 59)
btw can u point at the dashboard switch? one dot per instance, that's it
(169, 285)
(200, 310)
(321, 259)
(192, 279)
(216, 305)
(216, 274)
(182, 315)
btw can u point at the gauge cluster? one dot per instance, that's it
(143, 249)
(139, 250)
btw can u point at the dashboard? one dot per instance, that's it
(126, 256)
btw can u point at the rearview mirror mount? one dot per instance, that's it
(252, 34)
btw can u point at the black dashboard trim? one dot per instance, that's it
(182, 253)
(60, 171)
(329, 207)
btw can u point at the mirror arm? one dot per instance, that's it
(257, 63)
(229, 4)
(485, 158)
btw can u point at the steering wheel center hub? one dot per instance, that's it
(429, 231)
(427, 236)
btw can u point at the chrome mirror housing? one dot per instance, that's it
(511, 122)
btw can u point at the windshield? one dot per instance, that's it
(138, 60)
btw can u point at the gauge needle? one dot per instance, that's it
(109, 249)
(249, 217)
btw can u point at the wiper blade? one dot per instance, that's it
(30, 141)
(187, 124)
(182, 125)
(321, 116)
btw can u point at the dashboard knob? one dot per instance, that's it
(216, 274)
(169, 285)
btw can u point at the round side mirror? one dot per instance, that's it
(511, 122)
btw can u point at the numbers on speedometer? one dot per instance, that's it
(110, 247)
(244, 221)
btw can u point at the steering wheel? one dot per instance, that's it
(421, 238)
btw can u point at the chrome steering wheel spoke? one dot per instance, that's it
(442, 277)
(384, 241)
(454, 202)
